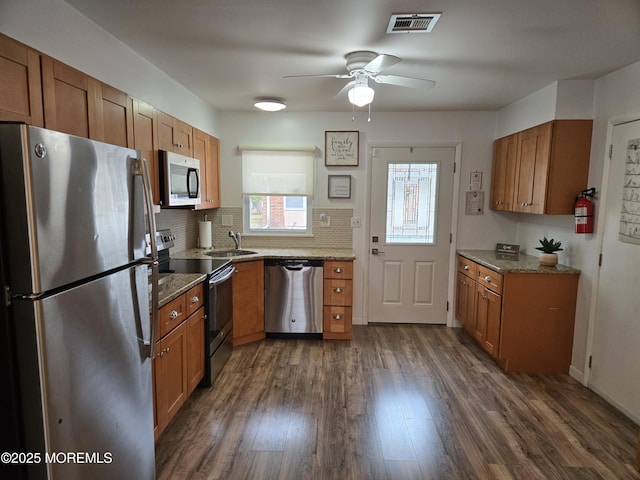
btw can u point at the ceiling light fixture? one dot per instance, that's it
(269, 104)
(361, 94)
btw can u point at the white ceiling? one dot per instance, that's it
(483, 54)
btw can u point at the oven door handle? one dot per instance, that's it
(224, 276)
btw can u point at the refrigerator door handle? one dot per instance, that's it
(153, 261)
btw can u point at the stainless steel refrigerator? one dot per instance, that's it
(76, 312)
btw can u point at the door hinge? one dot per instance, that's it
(590, 360)
(7, 296)
(447, 305)
(611, 151)
(454, 167)
(600, 260)
(451, 238)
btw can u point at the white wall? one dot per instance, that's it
(474, 130)
(55, 28)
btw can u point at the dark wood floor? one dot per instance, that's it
(397, 402)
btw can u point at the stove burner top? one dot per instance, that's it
(195, 265)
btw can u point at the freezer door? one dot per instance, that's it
(85, 381)
(74, 207)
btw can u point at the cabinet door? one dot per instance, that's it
(534, 148)
(465, 303)
(21, 92)
(145, 139)
(72, 100)
(195, 349)
(183, 137)
(213, 173)
(117, 117)
(171, 375)
(206, 149)
(175, 135)
(503, 175)
(488, 313)
(248, 302)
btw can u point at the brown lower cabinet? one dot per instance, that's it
(248, 302)
(178, 365)
(338, 300)
(523, 320)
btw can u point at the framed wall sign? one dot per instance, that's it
(339, 186)
(341, 148)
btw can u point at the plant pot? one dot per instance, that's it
(548, 259)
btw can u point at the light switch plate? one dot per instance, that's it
(356, 222)
(227, 220)
(325, 220)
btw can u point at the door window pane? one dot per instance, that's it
(411, 203)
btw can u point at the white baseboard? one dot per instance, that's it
(577, 374)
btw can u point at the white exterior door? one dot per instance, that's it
(411, 202)
(615, 371)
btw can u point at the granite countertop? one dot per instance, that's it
(172, 285)
(524, 264)
(261, 253)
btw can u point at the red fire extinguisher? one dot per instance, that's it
(584, 211)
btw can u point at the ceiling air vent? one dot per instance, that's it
(412, 22)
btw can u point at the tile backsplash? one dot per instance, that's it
(184, 225)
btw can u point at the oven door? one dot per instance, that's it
(219, 331)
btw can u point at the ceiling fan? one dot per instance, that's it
(365, 65)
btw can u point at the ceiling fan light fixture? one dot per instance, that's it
(361, 94)
(269, 104)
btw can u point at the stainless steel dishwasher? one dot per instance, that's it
(293, 296)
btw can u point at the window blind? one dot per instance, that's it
(278, 172)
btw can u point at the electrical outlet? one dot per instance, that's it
(227, 220)
(356, 222)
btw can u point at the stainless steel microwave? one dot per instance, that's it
(179, 179)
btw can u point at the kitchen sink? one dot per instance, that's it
(230, 253)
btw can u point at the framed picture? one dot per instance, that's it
(341, 148)
(339, 186)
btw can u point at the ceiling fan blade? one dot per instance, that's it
(345, 89)
(381, 62)
(408, 82)
(329, 75)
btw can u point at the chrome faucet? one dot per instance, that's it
(236, 238)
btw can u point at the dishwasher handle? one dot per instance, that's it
(294, 266)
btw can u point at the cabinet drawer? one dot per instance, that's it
(490, 279)
(336, 319)
(171, 315)
(467, 267)
(337, 292)
(338, 269)
(194, 298)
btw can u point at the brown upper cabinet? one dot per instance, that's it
(72, 100)
(21, 92)
(175, 135)
(117, 116)
(206, 148)
(542, 169)
(145, 139)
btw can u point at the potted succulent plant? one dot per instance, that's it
(549, 248)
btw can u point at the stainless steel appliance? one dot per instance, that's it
(293, 296)
(180, 179)
(77, 306)
(218, 303)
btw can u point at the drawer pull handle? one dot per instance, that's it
(195, 299)
(337, 270)
(526, 204)
(484, 297)
(487, 278)
(173, 315)
(337, 290)
(466, 267)
(337, 317)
